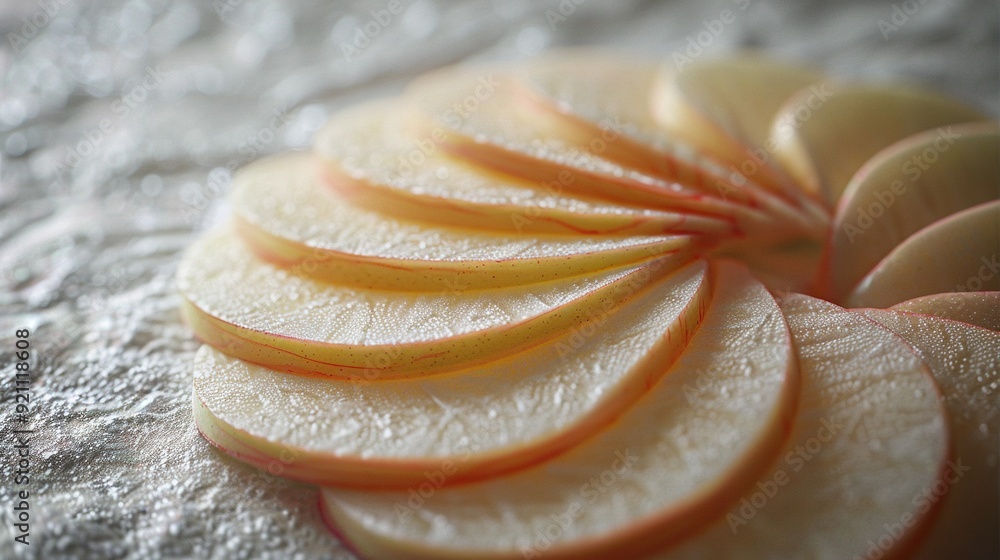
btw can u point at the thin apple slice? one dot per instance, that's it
(975, 308)
(670, 464)
(725, 107)
(376, 165)
(965, 361)
(906, 187)
(601, 101)
(489, 134)
(823, 143)
(289, 218)
(598, 101)
(958, 253)
(870, 437)
(474, 423)
(290, 322)
(580, 96)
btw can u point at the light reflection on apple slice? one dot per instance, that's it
(904, 188)
(672, 462)
(482, 420)
(955, 253)
(965, 361)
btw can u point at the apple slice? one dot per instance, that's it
(965, 361)
(488, 134)
(587, 99)
(823, 140)
(474, 423)
(870, 440)
(724, 107)
(957, 253)
(377, 166)
(580, 96)
(596, 101)
(976, 308)
(905, 188)
(268, 316)
(289, 218)
(670, 464)
(783, 267)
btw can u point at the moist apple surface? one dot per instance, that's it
(587, 307)
(389, 433)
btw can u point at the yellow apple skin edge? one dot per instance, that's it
(850, 125)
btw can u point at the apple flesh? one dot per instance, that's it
(289, 218)
(904, 188)
(491, 138)
(869, 436)
(374, 164)
(471, 424)
(965, 361)
(267, 316)
(725, 108)
(582, 101)
(952, 254)
(974, 308)
(823, 138)
(672, 463)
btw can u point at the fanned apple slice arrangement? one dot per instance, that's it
(590, 307)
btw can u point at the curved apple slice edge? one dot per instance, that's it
(226, 312)
(712, 359)
(981, 309)
(928, 263)
(864, 390)
(965, 362)
(849, 125)
(908, 194)
(314, 464)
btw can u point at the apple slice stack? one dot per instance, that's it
(587, 307)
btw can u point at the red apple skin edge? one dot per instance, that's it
(915, 538)
(688, 518)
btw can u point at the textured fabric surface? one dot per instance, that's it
(120, 125)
